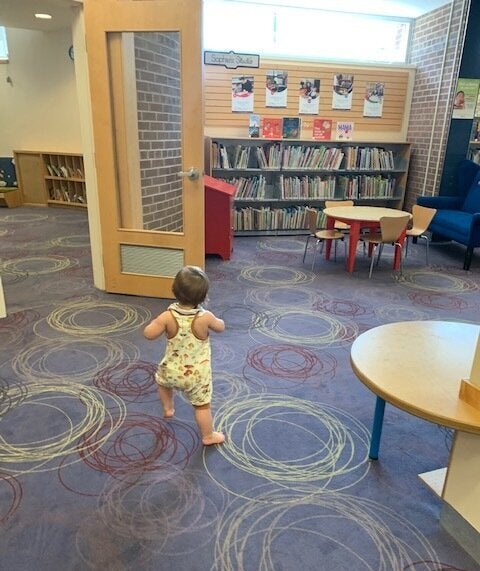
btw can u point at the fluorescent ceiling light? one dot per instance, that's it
(43, 16)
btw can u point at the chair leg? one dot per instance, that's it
(380, 250)
(468, 258)
(406, 246)
(398, 245)
(372, 260)
(427, 242)
(315, 252)
(306, 246)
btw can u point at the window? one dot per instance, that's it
(3, 45)
(306, 33)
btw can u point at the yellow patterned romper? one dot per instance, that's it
(186, 365)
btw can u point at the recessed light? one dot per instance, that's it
(43, 16)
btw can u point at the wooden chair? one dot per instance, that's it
(320, 235)
(390, 229)
(332, 204)
(422, 216)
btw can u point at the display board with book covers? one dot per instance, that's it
(276, 180)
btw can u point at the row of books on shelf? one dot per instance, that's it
(295, 218)
(365, 187)
(320, 129)
(295, 157)
(368, 158)
(63, 194)
(64, 171)
(252, 187)
(307, 187)
(318, 187)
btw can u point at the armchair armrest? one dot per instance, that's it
(441, 202)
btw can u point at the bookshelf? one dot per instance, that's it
(276, 180)
(53, 179)
(64, 179)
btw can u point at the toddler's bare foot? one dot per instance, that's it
(214, 438)
(168, 413)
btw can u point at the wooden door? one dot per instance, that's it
(145, 67)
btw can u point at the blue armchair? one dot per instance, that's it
(458, 217)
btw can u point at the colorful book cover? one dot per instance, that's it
(344, 130)
(272, 127)
(322, 129)
(291, 128)
(254, 126)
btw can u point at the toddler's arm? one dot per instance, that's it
(214, 323)
(156, 327)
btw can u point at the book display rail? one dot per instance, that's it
(276, 180)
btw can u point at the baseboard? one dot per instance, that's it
(465, 534)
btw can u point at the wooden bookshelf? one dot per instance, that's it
(276, 179)
(53, 179)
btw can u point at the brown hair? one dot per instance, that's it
(190, 286)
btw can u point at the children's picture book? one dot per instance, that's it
(342, 91)
(276, 83)
(309, 95)
(242, 93)
(322, 129)
(344, 130)
(373, 101)
(291, 128)
(254, 126)
(272, 127)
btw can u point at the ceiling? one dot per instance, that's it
(20, 13)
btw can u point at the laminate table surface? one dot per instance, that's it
(418, 366)
(358, 217)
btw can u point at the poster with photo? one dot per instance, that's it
(309, 96)
(276, 88)
(242, 93)
(373, 102)
(342, 91)
(465, 98)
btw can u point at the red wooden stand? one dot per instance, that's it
(218, 217)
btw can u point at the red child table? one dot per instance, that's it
(358, 217)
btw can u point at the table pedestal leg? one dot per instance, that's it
(377, 429)
(328, 245)
(352, 245)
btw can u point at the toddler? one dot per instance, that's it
(186, 365)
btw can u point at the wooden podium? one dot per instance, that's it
(218, 217)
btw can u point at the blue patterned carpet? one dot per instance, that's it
(92, 477)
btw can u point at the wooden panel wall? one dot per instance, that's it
(221, 121)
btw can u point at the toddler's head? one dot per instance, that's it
(190, 286)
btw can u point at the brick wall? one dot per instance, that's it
(157, 61)
(430, 35)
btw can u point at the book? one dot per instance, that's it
(322, 129)
(254, 126)
(272, 127)
(291, 128)
(344, 130)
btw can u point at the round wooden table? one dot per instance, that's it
(417, 366)
(358, 217)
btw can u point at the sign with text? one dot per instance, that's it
(231, 60)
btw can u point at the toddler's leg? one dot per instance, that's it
(166, 396)
(203, 416)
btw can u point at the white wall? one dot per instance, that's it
(39, 110)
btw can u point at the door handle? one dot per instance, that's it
(192, 173)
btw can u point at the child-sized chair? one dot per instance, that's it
(320, 235)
